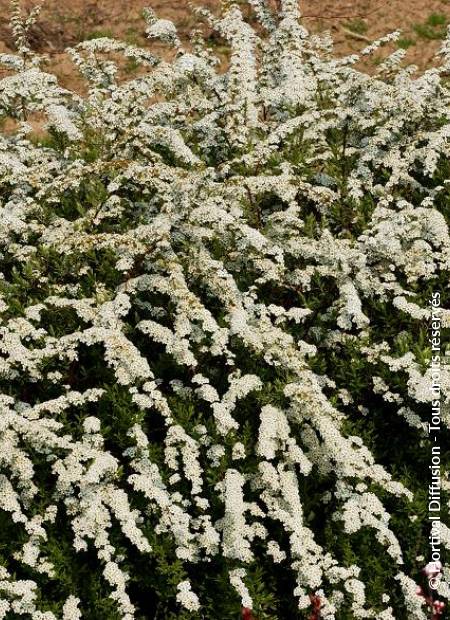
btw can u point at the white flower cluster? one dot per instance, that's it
(201, 291)
(186, 597)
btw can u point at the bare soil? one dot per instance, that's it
(352, 23)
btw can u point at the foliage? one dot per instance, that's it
(214, 341)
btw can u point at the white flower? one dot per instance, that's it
(186, 597)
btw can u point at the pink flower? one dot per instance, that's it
(432, 569)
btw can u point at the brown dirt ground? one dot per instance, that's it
(352, 24)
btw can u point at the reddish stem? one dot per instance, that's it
(316, 605)
(247, 614)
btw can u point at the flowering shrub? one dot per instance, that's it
(214, 359)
